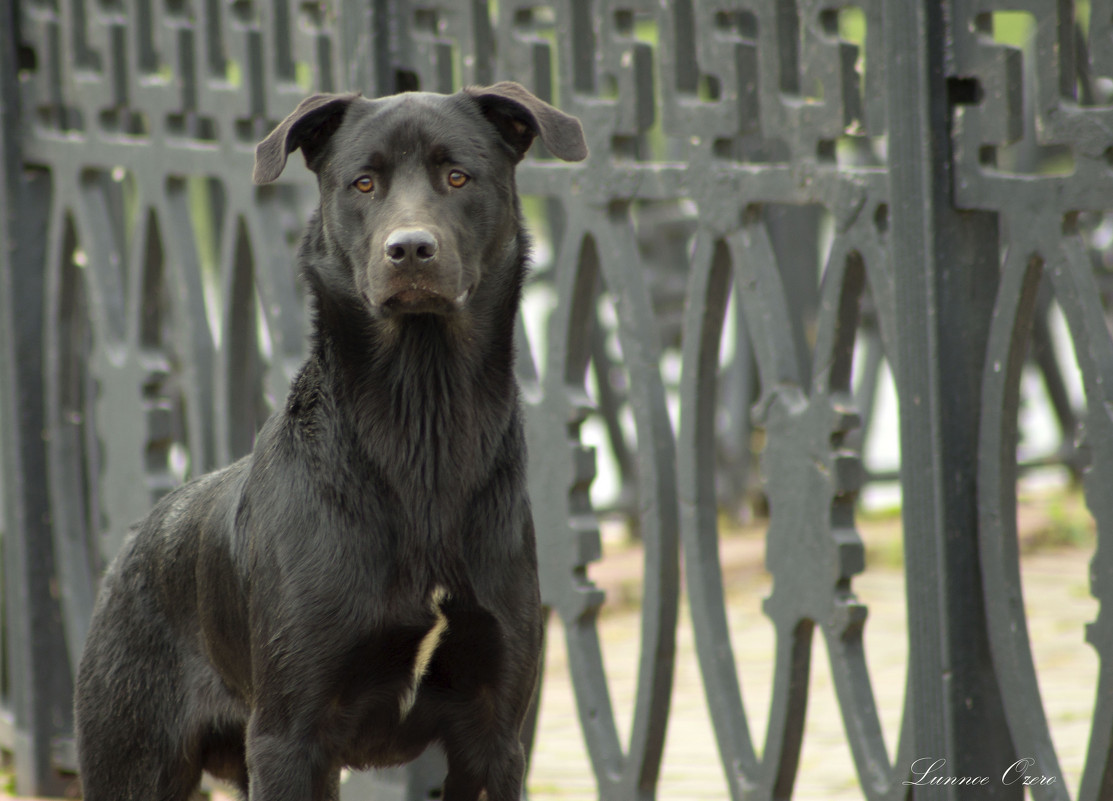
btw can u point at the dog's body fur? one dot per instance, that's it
(365, 582)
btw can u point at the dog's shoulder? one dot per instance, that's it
(203, 501)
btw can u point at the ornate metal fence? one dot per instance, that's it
(890, 171)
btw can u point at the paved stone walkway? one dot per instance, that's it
(1059, 605)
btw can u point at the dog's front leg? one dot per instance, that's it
(282, 766)
(501, 776)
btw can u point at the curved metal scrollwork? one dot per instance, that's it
(1005, 154)
(118, 342)
(1045, 254)
(811, 481)
(592, 254)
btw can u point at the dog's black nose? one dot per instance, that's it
(415, 245)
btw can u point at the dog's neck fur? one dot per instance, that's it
(438, 391)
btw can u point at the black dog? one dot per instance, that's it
(365, 583)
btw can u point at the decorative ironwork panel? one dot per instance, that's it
(816, 183)
(1033, 145)
(171, 318)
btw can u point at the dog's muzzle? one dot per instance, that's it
(419, 277)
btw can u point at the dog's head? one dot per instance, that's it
(417, 189)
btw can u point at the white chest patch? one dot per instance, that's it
(425, 650)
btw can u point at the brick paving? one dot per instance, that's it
(1059, 605)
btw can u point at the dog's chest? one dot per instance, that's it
(454, 651)
(426, 648)
(408, 680)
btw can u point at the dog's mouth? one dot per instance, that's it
(422, 300)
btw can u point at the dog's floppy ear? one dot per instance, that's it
(309, 126)
(520, 116)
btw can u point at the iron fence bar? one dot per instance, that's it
(946, 276)
(37, 669)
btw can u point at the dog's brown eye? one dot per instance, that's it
(456, 179)
(364, 184)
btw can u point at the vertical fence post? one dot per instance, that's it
(37, 667)
(945, 263)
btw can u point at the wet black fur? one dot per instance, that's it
(262, 622)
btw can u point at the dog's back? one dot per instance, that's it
(365, 582)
